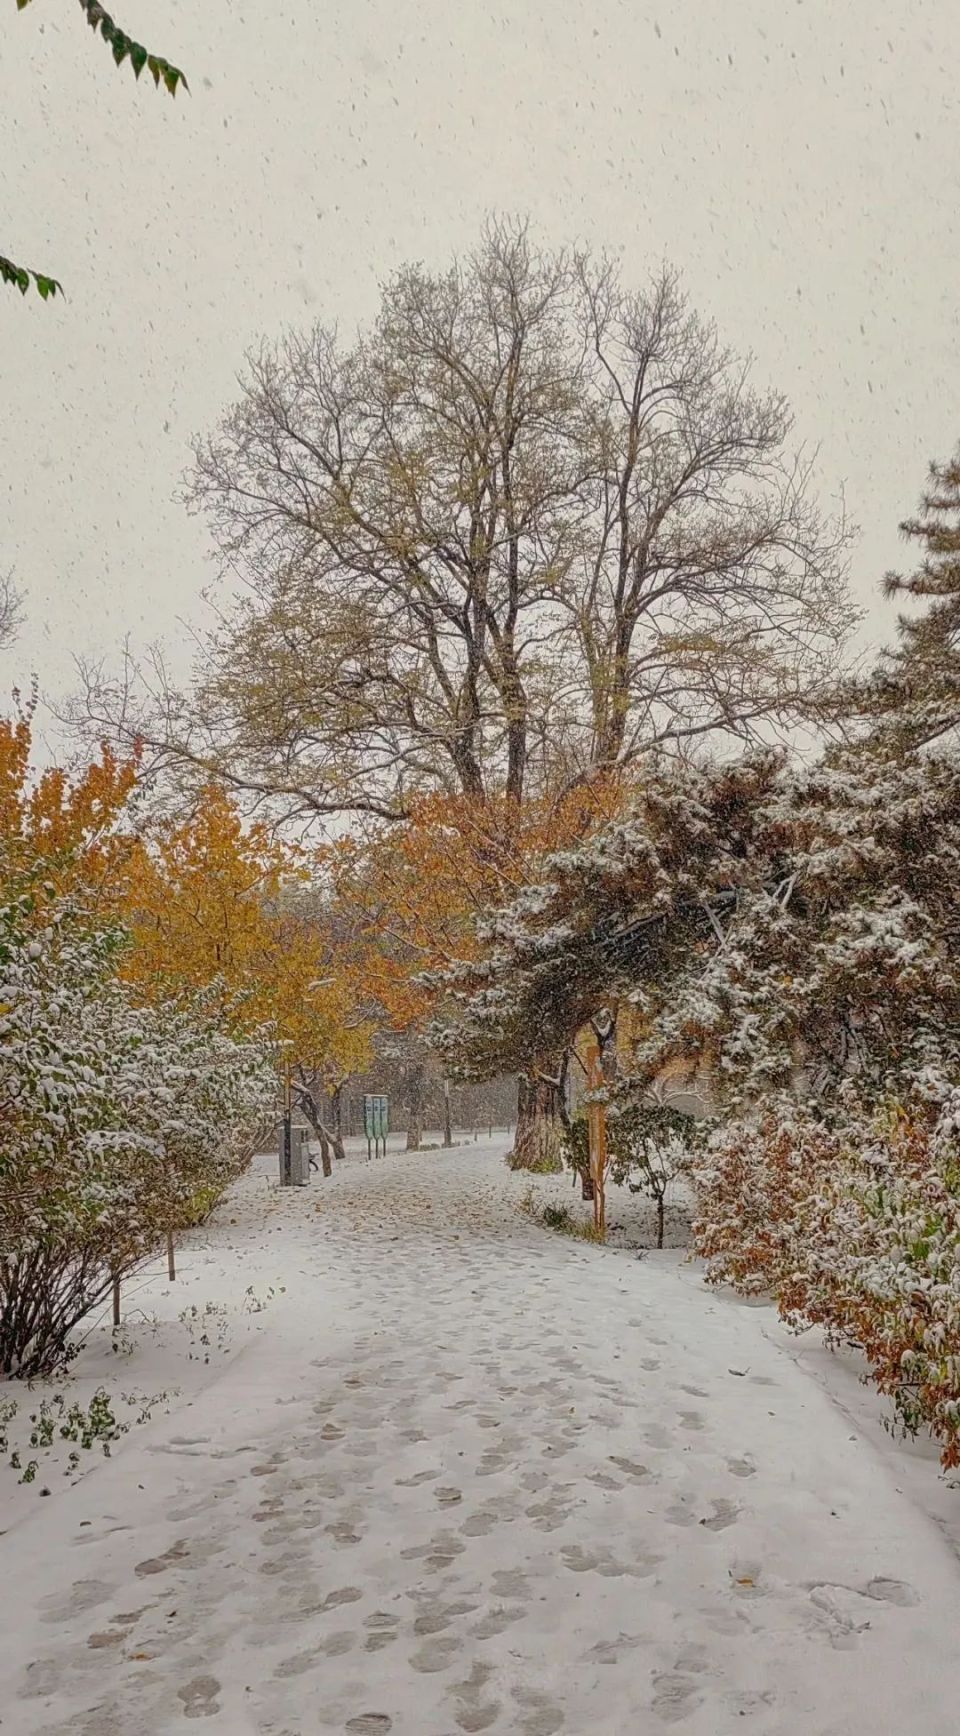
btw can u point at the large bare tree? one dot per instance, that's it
(531, 524)
(528, 527)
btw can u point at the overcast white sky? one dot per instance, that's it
(797, 159)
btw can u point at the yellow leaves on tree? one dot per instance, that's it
(205, 897)
(75, 826)
(213, 899)
(197, 900)
(314, 1000)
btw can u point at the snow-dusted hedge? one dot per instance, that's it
(756, 1182)
(855, 1230)
(117, 1122)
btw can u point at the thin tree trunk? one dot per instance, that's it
(541, 1117)
(325, 1163)
(336, 1131)
(416, 1096)
(308, 1103)
(447, 1125)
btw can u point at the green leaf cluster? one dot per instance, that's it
(124, 48)
(19, 274)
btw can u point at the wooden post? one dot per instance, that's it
(116, 1301)
(171, 1263)
(597, 1131)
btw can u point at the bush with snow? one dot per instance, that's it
(755, 1182)
(118, 1122)
(649, 1146)
(855, 1230)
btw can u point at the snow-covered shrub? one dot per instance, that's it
(886, 1272)
(649, 1146)
(115, 1121)
(856, 1231)
(754, 1182)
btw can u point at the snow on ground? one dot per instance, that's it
(463, 1474)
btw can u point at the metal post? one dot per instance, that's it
(287, 1149)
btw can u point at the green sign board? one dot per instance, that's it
(376, 1119)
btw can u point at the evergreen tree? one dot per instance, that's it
(912, 698)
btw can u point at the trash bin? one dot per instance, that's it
(300, 1157)
(298, 1172)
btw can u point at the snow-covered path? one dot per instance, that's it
(477, 1477)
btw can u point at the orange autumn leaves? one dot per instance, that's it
(413, 891)
(212, 899)
(77, 827)
(206, 899)
(202, 890)
(319, 944)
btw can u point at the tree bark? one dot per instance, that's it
(447, 1125)
(308, 1103)
(416, 1097)
(336, 1131)
(541, 1118)
(325, 1163)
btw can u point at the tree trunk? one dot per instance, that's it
(447, 1125)
(308, 1104)
(660, 1222)
(416, 1097)
(336, 1131)
(325, 1163)
(541, 1118)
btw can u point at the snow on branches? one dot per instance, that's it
(119, 1122)
(791, 934)
(771, 924)
(855, 1229)
(617, 913)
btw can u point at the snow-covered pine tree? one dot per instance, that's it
(912, 697)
